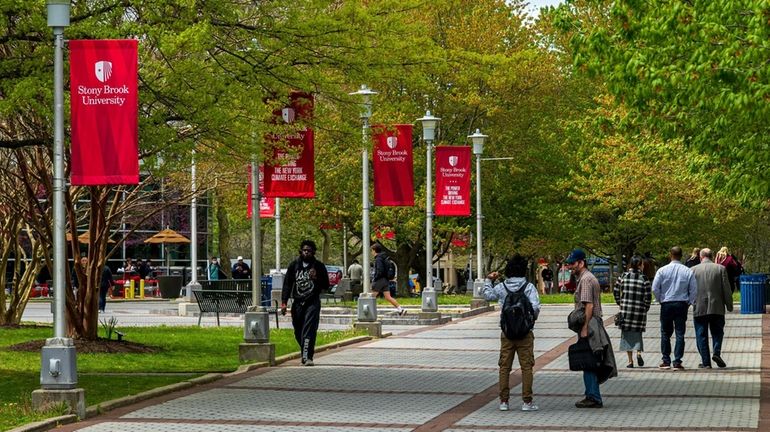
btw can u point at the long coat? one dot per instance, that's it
(633, 295)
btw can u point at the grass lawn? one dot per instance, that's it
(186, 352)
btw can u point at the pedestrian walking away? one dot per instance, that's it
(714, 296)
(694, 258)
(633, 294)
(306, 278)
(523, 346)
(675, 288)
(588, 299)
(380, 279)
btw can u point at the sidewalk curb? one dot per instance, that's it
(46, 424)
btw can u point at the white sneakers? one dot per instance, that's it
(526, 406)
(308, 362)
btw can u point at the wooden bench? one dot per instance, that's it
(227, 301)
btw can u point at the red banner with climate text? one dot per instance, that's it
(393, 165)
(453, 181)
(266, 205)
(290, 170)
(104, 108)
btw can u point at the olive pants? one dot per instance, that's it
(525, 348)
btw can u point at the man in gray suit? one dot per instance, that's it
(714, 296)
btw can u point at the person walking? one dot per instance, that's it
(380, 280)
(215, 270)
(356, 275)
(306, 278)
(694, 258)
(104, 287)
(588, 298)
(714, 296)
(515, 272)
(728, 261)
(675, 288)
(633, 295)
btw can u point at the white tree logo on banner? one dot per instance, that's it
(392, 142)
(453, 161)
(103, 70)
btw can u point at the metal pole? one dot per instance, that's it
(278, 234)
(365, 201)
(479, 264)
(345, 250)
(428, 284)
(256, 240)
(59, 219)
(193, 228)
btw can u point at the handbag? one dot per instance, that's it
(619, 319)
(581, 357)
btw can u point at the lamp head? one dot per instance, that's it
(429, 125)
(365, 93)
(58, 13)
(478, 138)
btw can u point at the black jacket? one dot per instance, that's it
(380, 266)
(298, 285)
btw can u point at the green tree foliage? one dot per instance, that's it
(691, 70)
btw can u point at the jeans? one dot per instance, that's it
(103, 297)
(673, 318)
(715, 323)
(591, 381)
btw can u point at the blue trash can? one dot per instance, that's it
(753, 294)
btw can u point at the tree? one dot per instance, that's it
(690, 70)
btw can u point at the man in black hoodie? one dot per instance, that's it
(306, 278)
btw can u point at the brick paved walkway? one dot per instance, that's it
(445, 378)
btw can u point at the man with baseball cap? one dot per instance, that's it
(588, 297)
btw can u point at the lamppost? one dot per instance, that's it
(478, 148)
(58, 371)
(429, 125)
(193, 235)
(256, 344)
(367, 303)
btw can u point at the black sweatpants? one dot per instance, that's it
(305, 316)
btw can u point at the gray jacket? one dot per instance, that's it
(500, 291)
(714, 294)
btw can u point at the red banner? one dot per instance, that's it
(453, 181)
(266, 205)
(393, 165)
(104, 107)
(290, 171)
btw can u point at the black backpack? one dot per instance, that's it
(518, 316)
(391, 271)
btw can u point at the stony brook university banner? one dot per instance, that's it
(289, 167)
(393, 165)
(266, 205)
(104, 108)
(453, 181)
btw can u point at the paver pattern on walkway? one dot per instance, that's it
(445, 378)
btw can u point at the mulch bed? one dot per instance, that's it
(99, 346)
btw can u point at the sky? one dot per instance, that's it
(535, 5)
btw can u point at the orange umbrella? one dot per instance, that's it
(167, 236)
(85, 238)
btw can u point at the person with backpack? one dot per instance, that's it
(384, 272)
(520, 307)
(306, 278)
